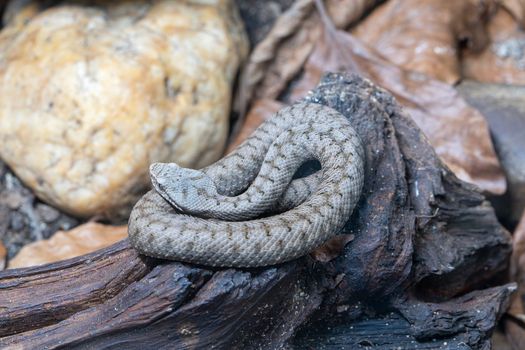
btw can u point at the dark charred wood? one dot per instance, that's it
(455, 324)
(425, 245)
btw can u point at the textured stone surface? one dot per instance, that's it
(89, 97)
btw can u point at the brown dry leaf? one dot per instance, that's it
(457, 131)
(503, 61)
(62, 245)
(423, 36)
(3, 256)
(332, 249)
(259, 112)
(271, 62)
(280, 56)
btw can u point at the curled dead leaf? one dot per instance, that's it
(503, 61)
(457, 131)
(332, 249)
(271, 53)
(280, 56)
(62, 245)
(423, 36)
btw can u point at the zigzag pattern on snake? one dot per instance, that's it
(246, 210)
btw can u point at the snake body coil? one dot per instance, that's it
(246, 210)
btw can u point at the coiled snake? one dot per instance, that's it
(246, 209)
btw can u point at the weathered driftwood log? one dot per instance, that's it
(424, 243)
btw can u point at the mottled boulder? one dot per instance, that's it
(90, 96)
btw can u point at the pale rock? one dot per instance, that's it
(90, 96)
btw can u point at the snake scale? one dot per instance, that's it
(247, 210)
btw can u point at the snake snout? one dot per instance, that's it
(163, 174)
(164, 170)
(182, 187)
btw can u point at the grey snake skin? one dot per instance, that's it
(246, 210)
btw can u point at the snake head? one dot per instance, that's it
(183, 188)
